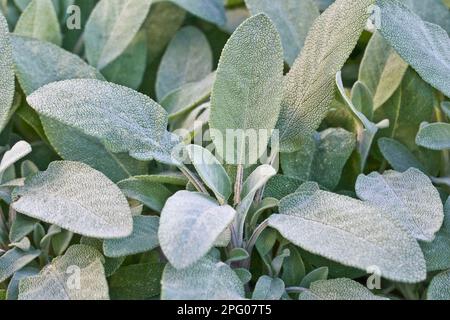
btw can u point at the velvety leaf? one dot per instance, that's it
(309, 86)
(111, 27)
(398, 155)
(434, 136)
(21, 227)
(437, 254)
(293, 20)
(55, 281)
(144, 238)
(77, 198)
(322, 157)
(408, 198)
(247, 92)
(111, 265)
(14, 260)
(13, 287)
(433, 11)
(17, 152)
(136, 282)
(338, 289)
(210, 10)
(188, 58)
(205, 280)
(439, 288)
(410, 105)
(190, 224)
(128, 69)
(350, 232)
(281, 186)
(152, 194)
(382, 69)
(268, 288)
(362, 99)
(7, 72)
(161, 25)
(188, 96)
(210, 171)
(39, 21)
(139, 123)
(315, 275)
(406, 32)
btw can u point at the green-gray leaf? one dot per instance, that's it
(433, 11)
(247, 92)
(188, 58)
(439, 288)
(382, 69)
(111, 27)
(321, 158)
(434, 136)
(338, 289)
(144, 238)
(408, 198)
(205, 280)
(293, 19)
(14, 260)
(437, 253)
(398, 155)
(210, 10)
(350, 232)
(268, 288)
(130, 122)
(210, 171)
(77, 198)
(309, 86)
(39, 21)
(190, 224)
(405, 30)
(7, 72)
(56, 281)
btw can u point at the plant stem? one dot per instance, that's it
(193, 179)
(238, 184)
(255, 236)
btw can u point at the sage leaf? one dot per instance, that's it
(399, 156)
(322, 157)
(17, 152)
(211, 172)
(328, 224)
(129, 68)
(247, 93)
(338, 289)
(144, 238)
(14, 260)
(434, 136)
(382, 69)
(188, 96)
(189, 226)
(268, 289)
(39, 21)
(13, 287)
(404, 30)
(139, 122)
(408, 198)
(293, 20)
(210, 10)
(439, 287)
(7, 71)
(77, 198)
(205, 280)
(111, 27)
(433, 11)
(53, 282)
(309, 85)
(136, 282)
(188, 58)
(151, 194)
(436, 252)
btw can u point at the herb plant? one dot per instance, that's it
(211, 149)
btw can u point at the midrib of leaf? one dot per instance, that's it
(397, 113)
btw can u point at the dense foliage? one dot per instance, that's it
(211, 149)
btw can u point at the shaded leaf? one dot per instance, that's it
(14, 260)
(268, 289)
(439, 288)
(434, 136)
